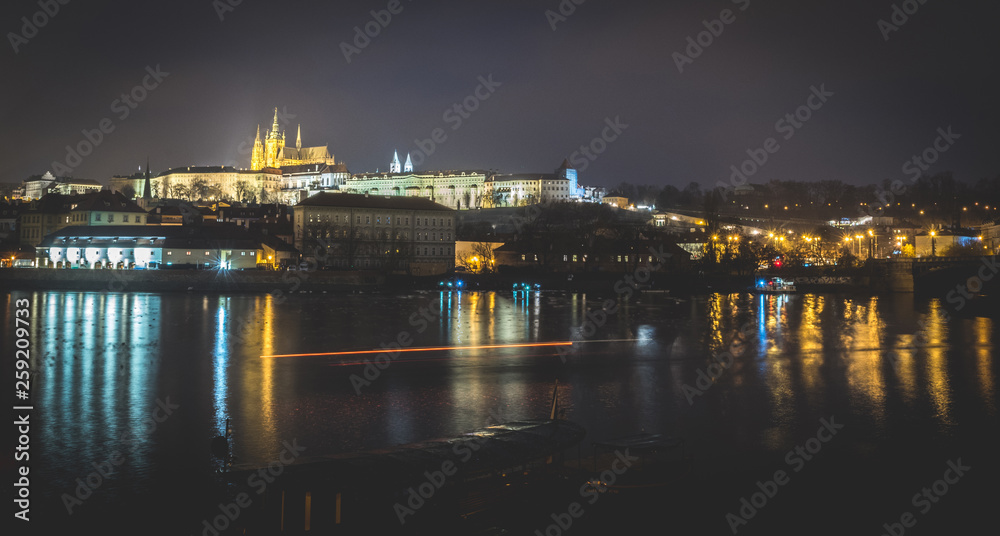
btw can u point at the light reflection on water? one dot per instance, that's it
(108, 357)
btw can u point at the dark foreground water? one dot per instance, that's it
(880, 393)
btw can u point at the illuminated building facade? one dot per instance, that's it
(208, 182)
(149, 247)
(516, 190)
(391, 233)
(454, 189)
(38, 186)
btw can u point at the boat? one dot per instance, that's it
(775, 285)
(425, 485)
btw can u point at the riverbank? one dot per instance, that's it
(294, 282)
(252, 281)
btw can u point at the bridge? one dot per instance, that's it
(923, 273)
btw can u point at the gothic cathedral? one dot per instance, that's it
(272, 153)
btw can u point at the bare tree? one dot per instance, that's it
(243, 189)
(181, 191)
(199, 189)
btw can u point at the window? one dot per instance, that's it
(97, 216)
(111, 218)
(188, 253)
(565, 258)
(368, 219)
(574, 258)
(125, 218)
(170, 253)
(206, 254)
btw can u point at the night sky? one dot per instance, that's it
(557, 87)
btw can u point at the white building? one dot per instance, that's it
(36, 187)
(149, 247)
(453, 189)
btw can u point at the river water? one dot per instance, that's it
(144, 381)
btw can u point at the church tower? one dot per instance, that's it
(394, 167)
(257, 156)
(298, 140)
(408, 167)
(274, 144)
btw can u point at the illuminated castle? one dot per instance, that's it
(272, 153)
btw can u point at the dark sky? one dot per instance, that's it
(557, 87)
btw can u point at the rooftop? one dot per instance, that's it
(329, 199)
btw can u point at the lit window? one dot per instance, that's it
(565, 258)
(189, 253)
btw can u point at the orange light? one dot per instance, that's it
(426, 349)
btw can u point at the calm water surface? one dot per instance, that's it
(913, 383)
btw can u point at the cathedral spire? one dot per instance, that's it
(147, 192)
(274, 127)
(408, 167)
(298, 140)
(394, 167)
(258, 134)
